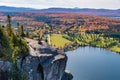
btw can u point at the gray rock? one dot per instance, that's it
(67, 75)
(4, 67)
(44, 62)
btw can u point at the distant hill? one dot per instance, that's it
(15, 9)
(101, 12)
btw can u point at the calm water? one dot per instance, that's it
(88, 63)
(115, 17)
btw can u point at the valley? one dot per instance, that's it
(36, 44)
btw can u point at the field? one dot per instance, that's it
(58, 41)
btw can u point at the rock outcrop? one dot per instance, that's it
(67, 75)
(44, 62)
(5, 65)
(4, 68)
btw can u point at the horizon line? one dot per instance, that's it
(59, 7)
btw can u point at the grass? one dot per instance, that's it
(58, 41)
(115, 49)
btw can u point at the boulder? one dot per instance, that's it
(67, 75)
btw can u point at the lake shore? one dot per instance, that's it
(90, 63)
(75, 46)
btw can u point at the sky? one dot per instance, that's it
(40, 4)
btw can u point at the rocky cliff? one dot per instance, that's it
(43, 63)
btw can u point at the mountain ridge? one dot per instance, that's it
(101, 12)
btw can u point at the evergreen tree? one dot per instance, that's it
(12, 48)
(22, 31)
(8, 21)
(27, 34)
(9, 29)
(18, 26)
(5, 46)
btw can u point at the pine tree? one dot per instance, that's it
(22, 31)
(18, 26)
(27, 34)
(8, 21)
(9, 29)
(5, 47)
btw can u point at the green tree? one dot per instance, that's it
(8, 21)
(22, 31)
(5, 46)
(27, 34)
(12, 48)
(18, 32)
(9, 29)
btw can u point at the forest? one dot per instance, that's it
(12, 48)
(66, 31)
(61, 21)
(69, 28)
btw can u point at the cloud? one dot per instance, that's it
(111, 4)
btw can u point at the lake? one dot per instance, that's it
(89, 63)
(115, 17)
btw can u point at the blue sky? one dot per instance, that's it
(106, 4)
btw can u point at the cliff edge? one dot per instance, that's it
(44, 62)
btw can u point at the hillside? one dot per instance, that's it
(15, 9)
(100, 12)
(23, 58)
(60, 21)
